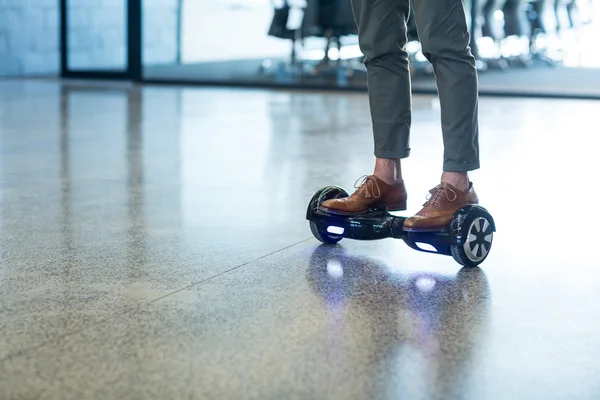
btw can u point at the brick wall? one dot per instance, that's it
(29, 35)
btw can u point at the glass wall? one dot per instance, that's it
(531, 47)
(256, 41)
(161, 35)
(97, 35)
(29, 40)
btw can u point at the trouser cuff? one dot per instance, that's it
(451, 166)
(392, 154)
(392, 139)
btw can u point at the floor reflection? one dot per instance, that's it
(135, 230)
(113, 200)
(426, 329)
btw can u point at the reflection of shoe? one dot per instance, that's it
(372, 192)
(444, 200)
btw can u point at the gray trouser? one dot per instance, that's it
(444, 38)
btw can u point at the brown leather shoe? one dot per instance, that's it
(437, 212)
(371, 192)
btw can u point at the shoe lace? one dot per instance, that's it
(435, 195)
(370, 185)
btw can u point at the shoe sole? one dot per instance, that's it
(390, 208)
(431, 229)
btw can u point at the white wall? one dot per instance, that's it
(223, 30)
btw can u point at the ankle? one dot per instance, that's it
(388, 170)
(460, 180)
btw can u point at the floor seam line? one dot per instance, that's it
(229, 270)
(139, 307)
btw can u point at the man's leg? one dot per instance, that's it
(382, 39)
(444, 37)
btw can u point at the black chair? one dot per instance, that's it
(490, 26)
(331, 20)
(291, 69)
(279, 25)
(327, 19)
(543, 21)
(492, 30)
(516, 22)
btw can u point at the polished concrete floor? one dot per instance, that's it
(153, 246)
